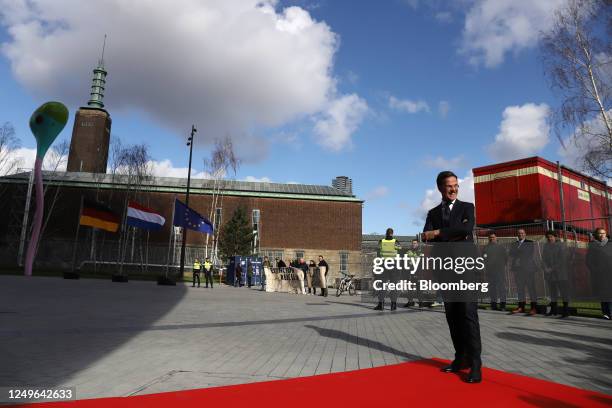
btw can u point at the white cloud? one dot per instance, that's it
(443, 108)
(524, 131)
(257, 179)
(26, 158)
(378, 192)
(229, 66)
(443, 163)
(165, 168)
(444, 16)
(342, 117)
(494, 28)
(407, 105)
(432, 197)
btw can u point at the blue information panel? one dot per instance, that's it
(244, 263)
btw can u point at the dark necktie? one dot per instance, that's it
(446, 214)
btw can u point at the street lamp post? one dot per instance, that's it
(190, 144)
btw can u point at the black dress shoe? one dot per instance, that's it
(454, 367)
(475, 376)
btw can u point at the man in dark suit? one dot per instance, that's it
(453, 221)
(523, 264)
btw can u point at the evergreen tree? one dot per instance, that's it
(236, 236)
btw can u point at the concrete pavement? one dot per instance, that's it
(118, 339)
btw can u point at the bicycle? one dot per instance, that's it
(346, 284)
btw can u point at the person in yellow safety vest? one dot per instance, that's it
(388, 248)
(208, 272)
(196, 272)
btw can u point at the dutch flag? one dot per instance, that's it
(142, 217)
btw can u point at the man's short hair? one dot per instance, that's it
(599, 229)
(492, 234)
(443, 175)
(551, 233)
(415, 240)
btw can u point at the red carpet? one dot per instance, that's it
(410, 384)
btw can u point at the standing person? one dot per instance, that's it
(496, 259)
(280, 263)
(524, 266)
(303, 267)
(414, 252)
(453, 220)
(208, 272)
(598, 260)
(238, 275)
(196, 272)
(265, 266)
(323, 270)
(249, 273)
(312, 267)
(555, 260)
(388, 247)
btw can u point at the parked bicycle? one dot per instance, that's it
(346, 284)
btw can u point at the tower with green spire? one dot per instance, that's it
(92, 124)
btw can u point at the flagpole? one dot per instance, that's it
(170, 236)
(126, 236)
(190, 144)
(147, 255)
(76, 236)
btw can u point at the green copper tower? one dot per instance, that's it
(98, 83)
(92, 125)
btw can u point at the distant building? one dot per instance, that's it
(91, 131)
(343, 184)
(291, 220)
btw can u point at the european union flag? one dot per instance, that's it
(187, 218)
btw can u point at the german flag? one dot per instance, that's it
(99, 216)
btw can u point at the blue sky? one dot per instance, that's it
(309, 91)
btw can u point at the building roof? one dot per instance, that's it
(198, 186)
(530, 162)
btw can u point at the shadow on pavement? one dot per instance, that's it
(596, 356)
(349, 338)
(57, 327)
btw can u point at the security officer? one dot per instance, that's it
(208, 272)
(196, 272)
(388, 248)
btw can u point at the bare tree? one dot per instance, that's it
(577, 57)
(8, 144)
(55, 159)
(222, 160)
(131, 165)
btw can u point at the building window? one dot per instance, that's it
(344, 257)
(218, 213)
(299, 254)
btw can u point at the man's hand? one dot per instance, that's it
(429, 235)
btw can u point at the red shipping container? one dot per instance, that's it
(527, 190)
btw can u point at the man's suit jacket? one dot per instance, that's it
(459, 233)
(461, 224)
(523, 256)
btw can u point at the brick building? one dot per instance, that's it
(294, 220)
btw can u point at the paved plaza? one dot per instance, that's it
(120, 339)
